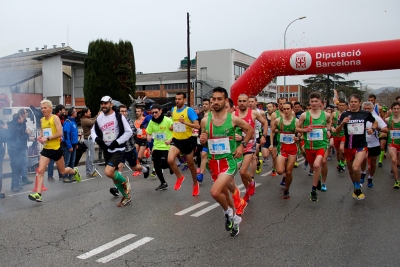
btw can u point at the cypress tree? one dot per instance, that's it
(109, 70)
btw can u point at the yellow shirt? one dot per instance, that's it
(49, 129)
(181, 131)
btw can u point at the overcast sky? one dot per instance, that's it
(157, 29)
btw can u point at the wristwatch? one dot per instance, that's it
(48, 138)
(244, 143)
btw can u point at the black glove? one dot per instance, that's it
(101, 143)
(113, 145)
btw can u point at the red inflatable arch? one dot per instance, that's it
(384, 55)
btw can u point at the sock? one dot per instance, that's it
(144, 169)
(229, 211)
(357, 185)
(363, 172)
(313, 188)
(381, 156)
(354, 184)
(119, 178)
(121, 189)
(370, 177)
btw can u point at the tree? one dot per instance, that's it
(325, 83)
(109, 70)
(388, 96)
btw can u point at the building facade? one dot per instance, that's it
(295, 93)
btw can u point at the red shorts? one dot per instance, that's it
(350, 153)
(311, 154)
(337, 140)
(288, 150)
(395, 146)
(218, 166)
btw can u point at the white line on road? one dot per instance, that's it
(201, 212)
(124, 250)
(105, 246)
(191, 208)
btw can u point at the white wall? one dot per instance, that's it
(78, 77)
(53, 78)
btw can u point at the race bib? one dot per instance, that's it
(315, 135)
(355, 128)
(160, 136)
(139, 131)
(257, 134)
(219, 146)
(179, 127)
(109, 136)
(395, 134)
(47, 132)
(269, 131)
(287, 138)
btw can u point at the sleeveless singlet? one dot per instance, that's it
(49, 129)
(394, 132)
(221, 138)
(318, 138)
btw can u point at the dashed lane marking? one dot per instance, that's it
(198, 205)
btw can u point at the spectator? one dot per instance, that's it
(70, 142)
(3, 138)
(87, 123)
(24, 161)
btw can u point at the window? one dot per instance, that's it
(238, 70)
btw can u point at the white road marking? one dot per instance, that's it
(192, 208)
(124, 250)
(201, 212)
(105, 246)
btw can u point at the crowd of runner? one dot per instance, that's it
(226, 140)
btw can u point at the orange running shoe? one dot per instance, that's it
(252, 188)
(136, 173)
(240, 210)
(179, 182)
(273, 173)
(196, 190)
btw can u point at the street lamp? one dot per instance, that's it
(284, 47)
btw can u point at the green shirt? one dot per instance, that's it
(393, 126)
(226, 130)
(318, 137)
(161, 133)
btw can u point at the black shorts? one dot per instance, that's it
(160, 157)
(52, 154)
(141, 142)
(185, 146)
(267, 143)
(131, 157)
(374, 151)
(113, 159)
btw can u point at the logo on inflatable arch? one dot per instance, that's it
(301, 60)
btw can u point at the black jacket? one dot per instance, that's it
(18, 137)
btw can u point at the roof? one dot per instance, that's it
(36, 53)
(12, 77)
(164, 76)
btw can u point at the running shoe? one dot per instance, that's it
(179, 182)
(146, 174)
(283, 181)
(162, 187)
(362, 177)
(329, 158)
(67, 180)
(199, 177)
(196, 190)
(153, 174)
(124, 201)
(127, 187)
(246, 197)
(77, 176)
(114, 191)
(310, 173)
(185, 167)
(286, 194)
(296, 164)
(252, 188)
(379, 164)
(358, 194)
(396, 184)
(273, 173)
(242, 206)
(259, 167)
(35, 197)
(313, 196)
(323, 187)
(50, 179)
(370, 184)
(228, 222)
(235, 229)
(136, 173)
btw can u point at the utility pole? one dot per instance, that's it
(188, 65)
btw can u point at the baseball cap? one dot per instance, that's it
(106, 99)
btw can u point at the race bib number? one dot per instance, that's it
(219, 146)
(160, 136)
(395, 134)
(287, 138)
(47, 132)
(315, 135)
(179, 127)
(139, 131)
(355, 128)
(109, 136)
(257, 133)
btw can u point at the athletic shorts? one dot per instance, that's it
(267, 143)
(311, 154)
(52, 154)
(337, 140)
(131, 157)
(250, 148)
(374, 151)
(185, 146)
(288, 150)
(113, 159)
(350, 153)
(141, 142)
(218, 166)
(395, 146)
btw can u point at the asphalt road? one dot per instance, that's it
(80, 225)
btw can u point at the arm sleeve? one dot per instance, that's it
(192, 115)
(127, 132)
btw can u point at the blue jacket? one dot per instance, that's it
(70, 130)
